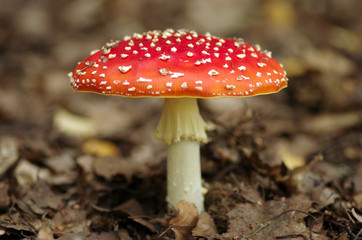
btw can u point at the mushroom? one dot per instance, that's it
(180, 66)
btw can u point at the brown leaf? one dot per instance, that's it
(205, 226)
(45, 233)
(4, 197)
(100, 148)
(109, 167)
(185, 220)
(134, 211)
(8, 153)
(71, 219)
(267, 221)
(105, 236)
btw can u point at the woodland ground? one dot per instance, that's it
(84, 166)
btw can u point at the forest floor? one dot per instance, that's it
(84, 166)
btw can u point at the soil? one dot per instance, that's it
(85, 166)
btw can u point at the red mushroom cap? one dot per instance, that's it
(179, 64)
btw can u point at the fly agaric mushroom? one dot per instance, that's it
(180, 66)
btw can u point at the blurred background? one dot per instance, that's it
(319, 42)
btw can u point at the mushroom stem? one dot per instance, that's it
(184, 174)
(182, 128)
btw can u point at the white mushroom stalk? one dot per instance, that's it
(182, 128)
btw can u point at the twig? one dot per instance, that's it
(165, 231)
(358, 234)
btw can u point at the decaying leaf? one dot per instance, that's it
(100, 148)
(109, 167)
(4, 196)
(27, 173)
(358, 200)
(205, 226)
(267, 221)
(328, 123)
(70, 220)
(303, 179)
(74, 125)
(42, 196)
(185, 220)
(45, 233)
(8, 153)
(134, 211)
(356, 215)
(107, 236)
(290, 159)
(20, 222)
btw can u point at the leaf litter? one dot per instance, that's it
(287, 166)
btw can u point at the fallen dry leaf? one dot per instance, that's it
(267, 222)
(356, 215)
(100, 148)
(106, 236)
(41, 196)
(291, 160)
(26, 173)
(328, 123)
(74, 125)
(205, 226)
(4, 196)
(70, 220)
(45, 233)
(109, 167)
(8, 153)
(22, 222)
(185, 220)
(134, 211)
(358, 200)
(250, 193)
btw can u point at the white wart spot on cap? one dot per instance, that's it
(198, 88)
(177, 75)
(184, 85)
(141, 79)
(164, 57)
(213, 72)
(242, 68)
(124, 69)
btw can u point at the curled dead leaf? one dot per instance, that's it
(45, 233)
(100, 148)
(74, 125)
(356, 215)
(8, 153)
(205, 226)
(186, 219)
